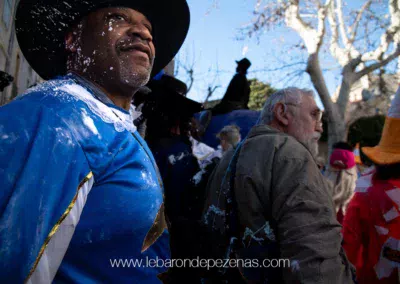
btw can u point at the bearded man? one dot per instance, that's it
(272, 199)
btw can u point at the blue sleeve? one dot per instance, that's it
(41, 168)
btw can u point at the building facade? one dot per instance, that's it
(11, 59)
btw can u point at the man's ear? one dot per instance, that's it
(281, 114)
(70, 42)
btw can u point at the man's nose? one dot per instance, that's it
(141, 32)
(318, 126)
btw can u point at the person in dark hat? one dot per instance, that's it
(183, 168)
(238, 92)
(167, 109)
(80, 191)
(236, 97)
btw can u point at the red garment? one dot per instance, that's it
(371, 231)
(340, 216)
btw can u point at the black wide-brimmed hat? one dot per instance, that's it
(244, 62)
(41, 26)
(169, 95)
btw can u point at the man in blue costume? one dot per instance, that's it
(79, 188)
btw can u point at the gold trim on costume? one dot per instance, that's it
(156, 230)
(57, 225)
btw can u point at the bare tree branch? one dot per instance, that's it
(344, 42)
(392, 33)
(190, 73)
(309, 35)
(353, 29)
(379, 64)
(337, 52)
(322, 13)
(210, 92)
(188, 67)
(342, 28)
(279, 68)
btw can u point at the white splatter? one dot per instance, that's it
(87, 61)
(197, 177)
(249, 233)
(391, 214)
(148, 180)
(269, 232)
(294, 265)
(88, 121)
(64, 137)
(173, 159)
(245, 50)
(215, 210)
(121, 121)
(381, 230)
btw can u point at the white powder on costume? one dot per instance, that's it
(295, 265)
(88, 121)
(197, 177)
(173, 159)
(121, 120)
(249, 233)
(215, 210)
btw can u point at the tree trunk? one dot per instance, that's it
(336, 123)
(349, 77)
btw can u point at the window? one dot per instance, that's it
(7, 9)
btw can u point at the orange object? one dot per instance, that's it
(388, 150)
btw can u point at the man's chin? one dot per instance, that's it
(136, 77)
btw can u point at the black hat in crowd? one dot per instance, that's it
(245, 63)
(169, 94)
(41, 26)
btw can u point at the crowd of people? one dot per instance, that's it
(105, 161)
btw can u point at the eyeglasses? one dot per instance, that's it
(316, 114)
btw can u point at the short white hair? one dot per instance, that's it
(290, 95)
(231, 134)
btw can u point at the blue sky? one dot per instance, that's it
(212, 45)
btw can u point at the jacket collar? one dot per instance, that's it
(100, 95)
(262, 129)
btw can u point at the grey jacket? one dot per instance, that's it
(283, 197)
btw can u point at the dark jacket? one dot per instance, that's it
(184, 185)
(238, 89)
(282, 197)
(236, 97)
(178, 166)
